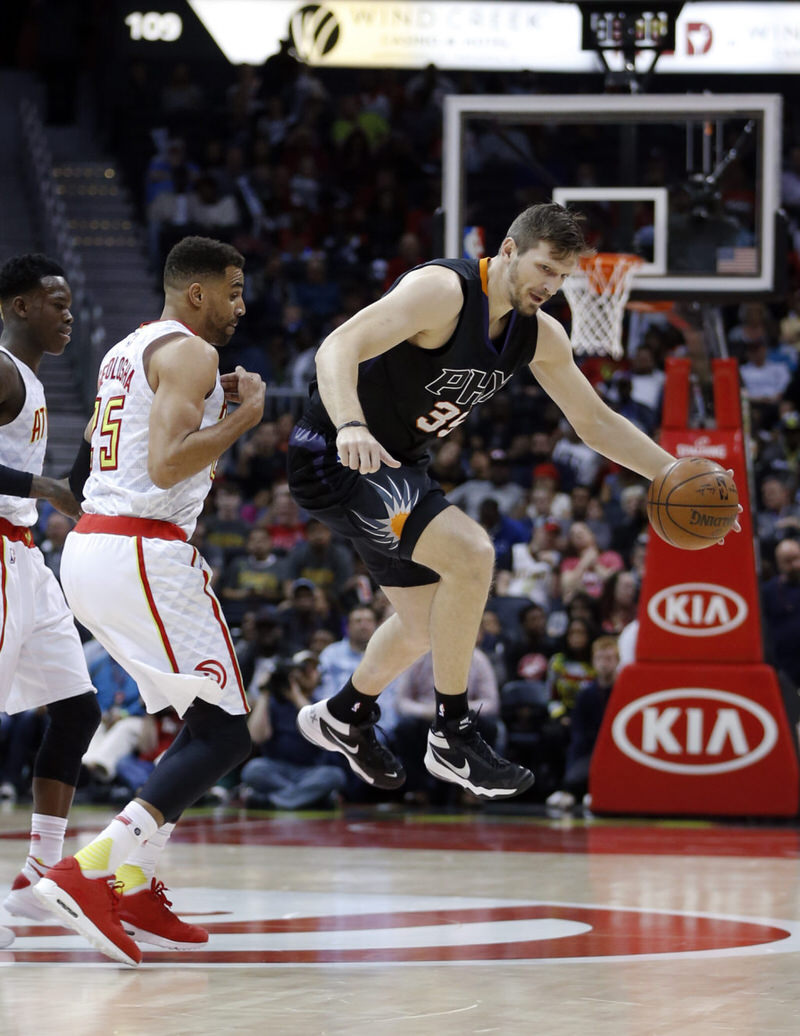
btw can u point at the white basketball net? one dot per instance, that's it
(597, 293)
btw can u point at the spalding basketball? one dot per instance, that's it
(693, 503)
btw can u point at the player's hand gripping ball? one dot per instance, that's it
(693, 503)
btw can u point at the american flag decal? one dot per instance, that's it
(737, 260)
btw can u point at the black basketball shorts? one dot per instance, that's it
(382, 514)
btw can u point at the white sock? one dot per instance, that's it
(127, 830)
(140, 867)
(47, 838)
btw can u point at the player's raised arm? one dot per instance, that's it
(425, 304)
(183, 374)
(594, 421)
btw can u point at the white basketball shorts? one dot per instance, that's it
(147, 599)
(41, 658)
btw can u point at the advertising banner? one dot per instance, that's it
(468, 34)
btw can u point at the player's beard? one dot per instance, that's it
(519, 302)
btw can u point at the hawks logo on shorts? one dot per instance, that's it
(216, 670)
(399, 504)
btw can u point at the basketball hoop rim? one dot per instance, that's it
(607, 262)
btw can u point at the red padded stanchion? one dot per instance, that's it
(696, 725)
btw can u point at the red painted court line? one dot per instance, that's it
(481, 834)
(488, 835)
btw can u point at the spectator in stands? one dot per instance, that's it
(163, 167)
(317, 295)
(283, 521)
(755, 326)
(317, 558)
(157, 733)
(257, 656)
(631, 521)
(584, 566)
(56, 529)
(416, 711)
(576, 461)
(169, 216)
(288, 772)
(253, 579)
(530, 653)
(780, 597)
(498, 485)
(619, 395)
(122, 712)
(181, 95)
(570, 670)
(618, 602)
(226, 530)
(259, 462)
(778, 516)
(306, 610)
(408, 255)
(585, 507)
(764, 380)
(504, 532)
(494, 642)
(212, 212)
(545, 499)
(585, 722)
(647, 381)
(533, 565)
(339, 660)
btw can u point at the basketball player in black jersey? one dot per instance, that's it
(399, 374)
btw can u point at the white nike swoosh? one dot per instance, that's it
(348, 748)
(462, 771)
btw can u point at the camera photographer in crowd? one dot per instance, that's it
(290, 773)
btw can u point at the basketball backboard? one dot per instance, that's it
(689, 182)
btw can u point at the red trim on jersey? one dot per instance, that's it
(225, 633)
(147, 323)
(152, 604)
(18, 533)
(3, 574)
(123, 525)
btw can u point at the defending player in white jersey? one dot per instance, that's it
(130, 576)
(41, 659)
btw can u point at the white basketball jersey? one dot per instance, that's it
(119, 483)
(23, 443)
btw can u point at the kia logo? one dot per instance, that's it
(697, 609)
(694, 730)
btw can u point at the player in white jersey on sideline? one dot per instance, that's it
(130, 576)
(41, 659)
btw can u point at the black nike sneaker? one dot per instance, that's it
(457, 753)
(367, 757)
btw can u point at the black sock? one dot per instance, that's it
(350, 705)
(449, 707)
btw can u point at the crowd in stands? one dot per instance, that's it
(329, 184)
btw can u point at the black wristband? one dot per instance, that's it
(14, 482)
(80, 470)
(351, 424)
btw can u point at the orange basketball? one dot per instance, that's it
(693, 503)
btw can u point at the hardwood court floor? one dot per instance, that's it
(371, 922)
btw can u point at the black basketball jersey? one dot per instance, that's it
(411, 395)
